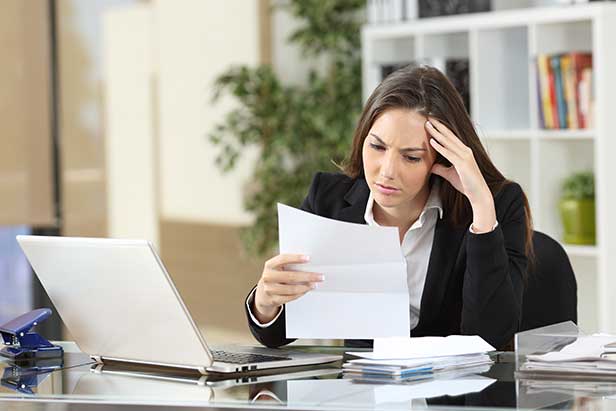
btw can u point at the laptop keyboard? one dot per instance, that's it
(243, 358)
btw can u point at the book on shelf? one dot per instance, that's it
(561, 108)
(570, 103)
(433, 8)
(390, 11)
(565, 91)
(586, 96)
(456, 70)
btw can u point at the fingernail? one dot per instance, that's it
(305, 258)
(428, 123)
(321, 277)
(314, 285)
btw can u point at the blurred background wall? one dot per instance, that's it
(121, 90)
(28, 196)
(26, 186)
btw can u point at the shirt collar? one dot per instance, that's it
(433, 202)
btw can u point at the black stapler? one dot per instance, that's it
(24, 345)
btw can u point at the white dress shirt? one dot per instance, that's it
(416, 247)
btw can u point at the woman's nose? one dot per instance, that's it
(388, 167)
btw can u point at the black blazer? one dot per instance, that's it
(474, 282)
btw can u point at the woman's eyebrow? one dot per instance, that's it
(402, 150)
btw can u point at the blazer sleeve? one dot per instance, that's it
(274, 335)
(495, 268)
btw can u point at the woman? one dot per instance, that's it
(417, 164)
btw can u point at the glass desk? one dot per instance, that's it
(82, 384)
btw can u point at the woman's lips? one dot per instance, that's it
(386, 189)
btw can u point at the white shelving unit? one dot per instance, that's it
(501, 47)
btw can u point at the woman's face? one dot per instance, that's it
(397, 159)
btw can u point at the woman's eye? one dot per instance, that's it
(412, 159)
(377, 147)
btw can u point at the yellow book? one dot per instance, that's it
(543, 62)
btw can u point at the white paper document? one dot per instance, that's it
(364, 293)
(585, 348)
(425, 347)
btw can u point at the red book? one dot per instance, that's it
(580, 61)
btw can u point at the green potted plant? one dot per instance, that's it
(577, 208)
(298, 129)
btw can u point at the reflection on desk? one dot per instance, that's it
(25, 377)
(125, 389)
(33, 377)
(543, 393)
(346, 392)
(315, 389)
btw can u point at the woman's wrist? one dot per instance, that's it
(484, 214)
(264, 314)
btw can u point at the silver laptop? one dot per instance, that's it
(120, 304)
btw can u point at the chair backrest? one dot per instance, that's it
(551, 293)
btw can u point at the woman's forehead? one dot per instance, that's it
(400, 127)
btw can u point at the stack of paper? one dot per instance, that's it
(587, 356)
(420, 358)
(416, 370)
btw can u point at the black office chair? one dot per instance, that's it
(551, 294)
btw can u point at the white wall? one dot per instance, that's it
(130, 139)
(196, 42)
(191, 43)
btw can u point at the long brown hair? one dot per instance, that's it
(427, 91)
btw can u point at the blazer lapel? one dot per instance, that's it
(445, 249)
(356, 198)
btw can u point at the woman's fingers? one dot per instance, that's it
(278, 286)
(277, 294)
(448, 139)
(291, 277)
(440, 144)
(288, 290)
(282, 259)
(446, 152)
(283, 299)
(448, 135)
